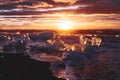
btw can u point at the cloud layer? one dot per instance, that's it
(66, 1)
(93, 6)
(47, 21)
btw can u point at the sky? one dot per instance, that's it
(47, 14)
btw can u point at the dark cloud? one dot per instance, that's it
(94, 6)
(86, 1)
(24, 4)
(3, 2)
(104, 6)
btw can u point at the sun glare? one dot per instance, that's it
(65, 25)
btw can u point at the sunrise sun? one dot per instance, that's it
(65, 25)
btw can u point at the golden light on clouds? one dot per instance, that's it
(66, 1)
(61, 21)
(38, 5)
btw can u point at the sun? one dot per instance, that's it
(65, 25)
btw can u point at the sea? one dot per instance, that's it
(71, 55)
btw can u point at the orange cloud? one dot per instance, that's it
(42, 4)
(66, 1)
(38, 5)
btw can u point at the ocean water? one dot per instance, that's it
(72, 56)
(84, 57)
